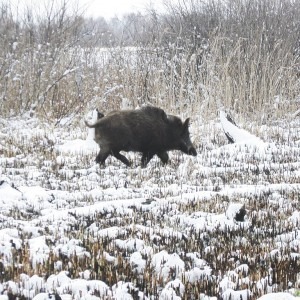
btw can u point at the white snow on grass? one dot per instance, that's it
(78, 147)
(278, 296)
(69, 227)
(239, 135)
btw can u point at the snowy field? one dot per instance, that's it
(222, 225)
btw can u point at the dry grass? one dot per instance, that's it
(246, 69)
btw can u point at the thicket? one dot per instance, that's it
(195, 57)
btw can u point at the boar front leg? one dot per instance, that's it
(122, 158)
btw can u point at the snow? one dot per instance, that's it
(278, 296)
(239, 135)
(68, 71)
(9, 196)
(165, 263)
(69, 227)
(78, 147)
(238, 295)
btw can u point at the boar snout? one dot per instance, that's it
(192, 151)
(188, 149)
(186, 145)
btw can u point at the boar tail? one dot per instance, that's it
(90, 125)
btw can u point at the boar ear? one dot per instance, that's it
(164, 116)
(186, 124)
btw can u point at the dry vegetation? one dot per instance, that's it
(197, 57)
(160, 210)
(200, 56)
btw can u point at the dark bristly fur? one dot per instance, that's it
(148, 130)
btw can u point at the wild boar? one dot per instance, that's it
(148, 130)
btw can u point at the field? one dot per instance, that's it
(222, 225)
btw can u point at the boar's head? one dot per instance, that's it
(185, 144)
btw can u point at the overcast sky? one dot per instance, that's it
(92, 8)
(111, 8)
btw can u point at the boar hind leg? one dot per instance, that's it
(164, 157)
(122, 158)
(146, 158)
(101, 157)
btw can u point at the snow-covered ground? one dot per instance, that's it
(222, 225)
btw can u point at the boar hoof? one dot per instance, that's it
(101, 157)
(164, 157)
